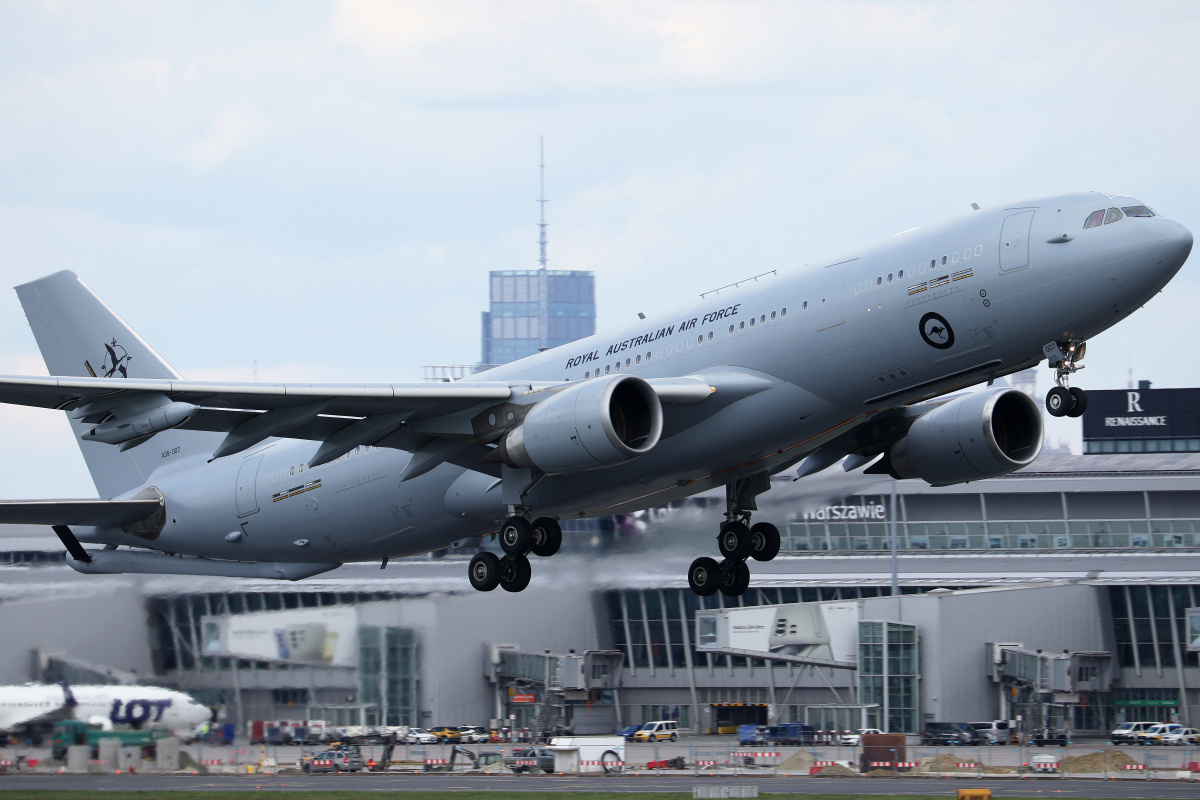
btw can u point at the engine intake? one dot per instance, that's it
(980, 435)
(597, 423)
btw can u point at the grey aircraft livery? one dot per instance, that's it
(859, 359)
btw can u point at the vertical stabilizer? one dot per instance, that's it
(79, 335)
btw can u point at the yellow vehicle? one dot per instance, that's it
(446, 734)
(661, 730)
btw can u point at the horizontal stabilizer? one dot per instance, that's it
(97, 513)
(110, 562)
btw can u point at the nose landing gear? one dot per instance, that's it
(518, 538)
(1063, 400)
(737, 541)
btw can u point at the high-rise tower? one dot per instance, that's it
(531, 310)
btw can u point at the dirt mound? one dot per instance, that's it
(837, 771)
(800, 761)
(1100, 761)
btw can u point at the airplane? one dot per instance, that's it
(100, 705)
(861, 359)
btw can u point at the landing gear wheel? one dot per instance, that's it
(735, 577)
(704, 576)
(515, 573)
(1079, 396)
(764, 541)
(1059, 401)
(485, 572)
(516, 536)
(734, 541)
(547, 537)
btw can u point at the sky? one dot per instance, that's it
(316, 190)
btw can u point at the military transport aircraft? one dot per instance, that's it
(845, 360)
(100, 705)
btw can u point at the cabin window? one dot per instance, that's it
(637, 360)
(700, 339)
(772, 315)
(804, 307)
(731, 329)
(606, 369)
(742, 325)
(944, 261)
(763, 318)
(1137, 211)
(889, 277)
(587, 375)
(752, 322)
(1113, 215)
(900, 275)
(1094, 220)
(710, 335)
(879, 281)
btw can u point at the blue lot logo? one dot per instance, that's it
(137, 712)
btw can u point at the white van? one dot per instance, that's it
(663, 729)
(1127, 732)
(998, 731)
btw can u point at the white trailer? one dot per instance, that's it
(575, 755)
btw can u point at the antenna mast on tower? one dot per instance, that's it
(542, 201)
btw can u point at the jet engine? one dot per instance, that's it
(592, 424)
(980, 435)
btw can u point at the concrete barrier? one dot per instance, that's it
(167, 754)
(79, 758)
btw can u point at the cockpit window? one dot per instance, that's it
(1113, 215)
(1095, 219)
(1137, 211)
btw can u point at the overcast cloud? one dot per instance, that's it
(321, 187)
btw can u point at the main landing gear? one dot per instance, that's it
(1064, 400)
(737, 541)
(518, 538)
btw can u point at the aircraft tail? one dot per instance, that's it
(80, 336)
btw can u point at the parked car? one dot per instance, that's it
(628, 731)
(473, 733)
(666, 729)
(1155, 733)
(345, 759)
(543, 757)
(446, 734)
(1127, 732)
(855, 739)
(998, 731)
(1182, 736)
(419, 736)
(948, 733)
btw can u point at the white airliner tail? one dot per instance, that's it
(79, 335)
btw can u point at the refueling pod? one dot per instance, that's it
(979, 435)
(596, 423)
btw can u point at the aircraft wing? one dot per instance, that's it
(432, 417)
(101, 513)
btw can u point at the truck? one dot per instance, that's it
(70, 732)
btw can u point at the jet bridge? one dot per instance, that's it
(552, 693)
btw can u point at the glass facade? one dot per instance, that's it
(534, 309)
(1150, 624)
(1003, 521)
(887, 675)
(388, 660)
(654, 627)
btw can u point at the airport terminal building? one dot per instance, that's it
(1058, 592)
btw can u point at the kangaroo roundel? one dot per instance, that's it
(936, 331)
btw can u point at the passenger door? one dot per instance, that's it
(247, 483)
(1014, 241)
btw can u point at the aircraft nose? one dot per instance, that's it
(1170, 242)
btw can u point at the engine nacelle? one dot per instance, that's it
(980, 435)
(142, 422)
(597, 423)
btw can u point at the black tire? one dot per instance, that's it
(735, 577)
(704, 576)
(547, 537)
(515, 573)
(734, 541)
(484, 572)
(1079, 402)
(308, 769)
(1059, 401)
(605, 761)
(516, 536)
(764, 541)
(673, 737)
